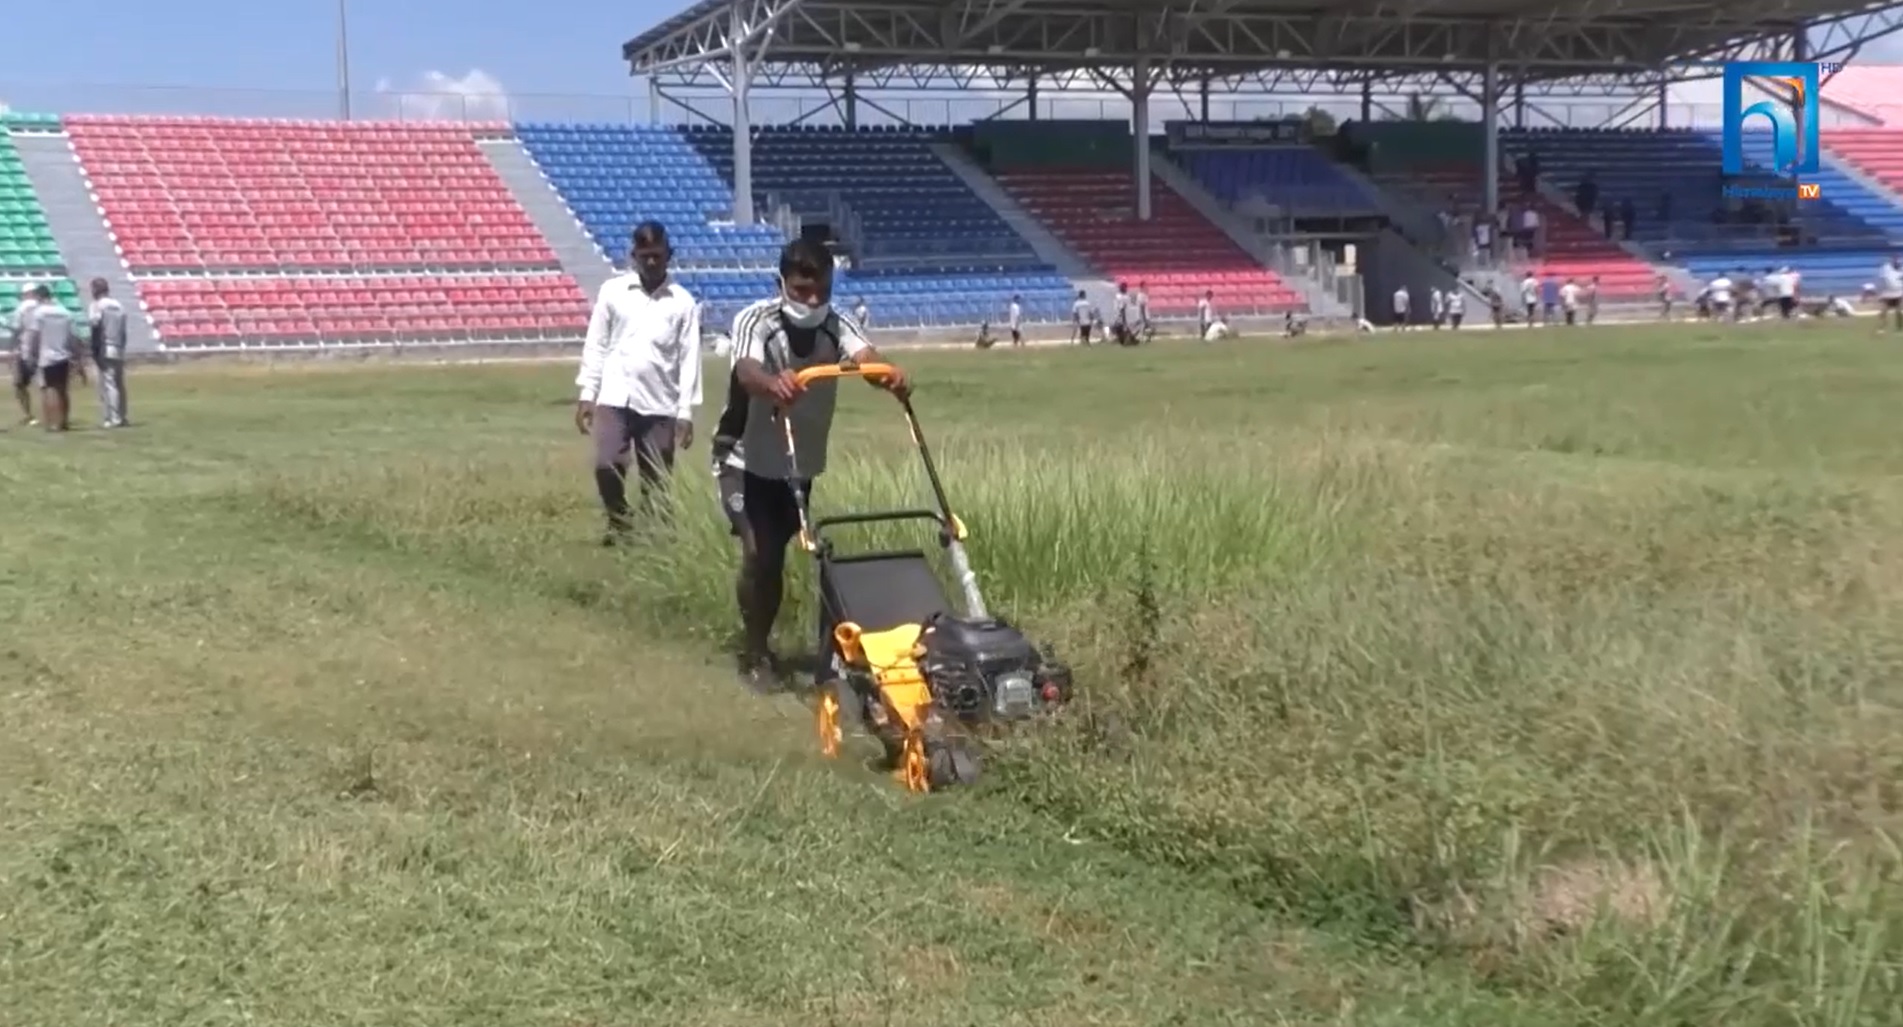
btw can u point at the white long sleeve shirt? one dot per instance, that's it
(643, 350)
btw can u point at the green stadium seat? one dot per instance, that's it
(26, 242)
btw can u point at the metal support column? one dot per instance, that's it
(1202, 97)
(1665, 99)
(1490, 129)
(654, 100)
(1519, 105)
(1800, 53)
(742, 120)
(1030, 96)
(851, 98)
(1140, 131)
(1490, 135)
(1367, 100)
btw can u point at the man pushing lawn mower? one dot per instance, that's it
(772, 341)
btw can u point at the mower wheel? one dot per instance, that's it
(952, 762)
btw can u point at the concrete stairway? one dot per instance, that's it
(1164, 172)
(85, 242)
(550, 214)
(1048, 247)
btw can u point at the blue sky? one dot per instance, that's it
(555, 59)
(263, 52)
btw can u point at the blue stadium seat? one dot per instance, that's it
(943, 257)
(1686, 166)
(1840, 272)
(1300, 179)
(616, 176)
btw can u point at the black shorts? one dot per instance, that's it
(763, 507)
(54, 375)
(1786, 305)
(23, 374)
(1892, 303)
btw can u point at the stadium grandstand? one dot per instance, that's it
(1396, 128)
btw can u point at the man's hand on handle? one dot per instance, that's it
(584, 416)
(895, 382)
(785, 389)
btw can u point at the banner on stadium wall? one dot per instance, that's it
(1210, 135)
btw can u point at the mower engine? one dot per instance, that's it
(986, 669)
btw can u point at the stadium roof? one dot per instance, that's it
(1531, 39)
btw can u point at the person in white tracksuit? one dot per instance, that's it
(106, 317)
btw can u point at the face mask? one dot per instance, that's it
(799, 315)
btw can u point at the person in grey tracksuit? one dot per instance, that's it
(108, 320)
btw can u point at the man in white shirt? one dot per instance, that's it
(640, 377)
(1205, 314)
(862, 314)
(1142, 303)
(1530, 297)
(1401, 301)
(1718, 294)
(761, 485)
(1082, 316)
(1437, 307)
(1456, 305)
(1014, 318)
(1890, 290)
(1783, 285)
(24, 373)
(1569, 301)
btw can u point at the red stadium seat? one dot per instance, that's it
(383, 308)
(265, 195)
(1574, 249)
(1177, 254)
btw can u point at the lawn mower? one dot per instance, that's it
(895, 655)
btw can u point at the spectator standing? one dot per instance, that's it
(106, 317)
(1080, 314)
(48, 345)
(640, 377)
(1014, 318)
(24, 372)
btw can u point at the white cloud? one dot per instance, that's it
(475, 95)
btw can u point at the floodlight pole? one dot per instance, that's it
(343, 60)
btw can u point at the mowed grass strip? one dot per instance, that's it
(1541, 678)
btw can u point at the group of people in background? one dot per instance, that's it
(48, 350)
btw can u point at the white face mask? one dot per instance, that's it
(799, 315)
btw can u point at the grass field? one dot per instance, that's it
(1508, 681)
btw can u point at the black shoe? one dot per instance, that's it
(761, 674)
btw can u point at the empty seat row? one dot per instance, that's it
(449, 208)
(312, 310)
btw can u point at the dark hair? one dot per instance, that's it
(41, 292)
(806, 258)
(650, 233)
(99, 287)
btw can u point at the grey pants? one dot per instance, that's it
(112, 389)
(621, 437)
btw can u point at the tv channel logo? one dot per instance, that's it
(1790, 155)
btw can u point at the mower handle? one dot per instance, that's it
(873, 373)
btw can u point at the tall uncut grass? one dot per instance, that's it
(1630, 735)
